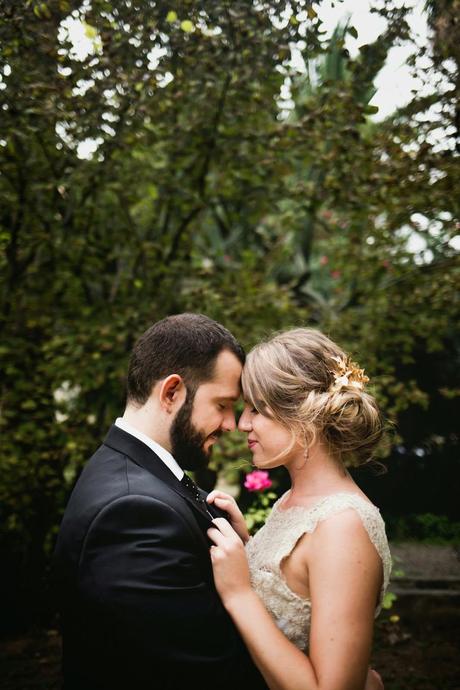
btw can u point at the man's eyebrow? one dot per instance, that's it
(233, 398)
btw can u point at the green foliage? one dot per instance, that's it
(388, 600)
(182, 108)
(428, 528)
(259, 510)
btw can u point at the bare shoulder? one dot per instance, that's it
(343, 532)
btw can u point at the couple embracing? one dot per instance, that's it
(160, 585)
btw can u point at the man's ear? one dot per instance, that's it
(172, 391)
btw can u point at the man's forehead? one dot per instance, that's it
(225, 390)
(227, 369)
(230, 398)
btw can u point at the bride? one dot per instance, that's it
(304, 591)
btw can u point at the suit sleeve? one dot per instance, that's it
(141, 576)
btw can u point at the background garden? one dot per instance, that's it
(224, 157)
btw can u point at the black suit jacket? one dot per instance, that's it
(138, 603)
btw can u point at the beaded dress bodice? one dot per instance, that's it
(278, 537)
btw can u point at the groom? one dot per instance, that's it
(138, 604)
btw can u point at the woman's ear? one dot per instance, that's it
(172, 392)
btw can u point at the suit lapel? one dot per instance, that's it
(145, 457)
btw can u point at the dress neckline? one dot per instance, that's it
(322, 500)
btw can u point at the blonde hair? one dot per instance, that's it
(296, 377)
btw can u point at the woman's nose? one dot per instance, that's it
(244, 422)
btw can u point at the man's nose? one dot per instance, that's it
(229, 422)
(244, 423)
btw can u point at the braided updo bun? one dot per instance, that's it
(308, 384)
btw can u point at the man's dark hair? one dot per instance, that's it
(184, 344)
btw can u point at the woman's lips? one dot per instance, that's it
(251, 444)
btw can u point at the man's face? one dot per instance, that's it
(202, 419)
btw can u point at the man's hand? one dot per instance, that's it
(373, 681)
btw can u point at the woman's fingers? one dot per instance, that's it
(220, 495)
(222, 501)
(216, 536)
(228, 506)
(226, 503)
(223, 533)
(225, 527)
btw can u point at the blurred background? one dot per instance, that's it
(270, 164)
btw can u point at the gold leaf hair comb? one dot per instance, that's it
(347, 373)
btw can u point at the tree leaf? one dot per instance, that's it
(187, 26)
(353, 31)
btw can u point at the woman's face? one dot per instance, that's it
(267, 439)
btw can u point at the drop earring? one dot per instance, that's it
(306, 456)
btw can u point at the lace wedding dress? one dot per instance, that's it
(278, 537)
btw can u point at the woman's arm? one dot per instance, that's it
(344, 578)
(283, 666)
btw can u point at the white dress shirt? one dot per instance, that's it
(162, 453)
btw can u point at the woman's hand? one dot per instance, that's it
(374, 681)
(229, 562)
(229, 505)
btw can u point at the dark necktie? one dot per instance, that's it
(194, 492)
(192, 489)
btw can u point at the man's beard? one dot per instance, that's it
(187, 442)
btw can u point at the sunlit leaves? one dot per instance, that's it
(171, 17)
(187, 26)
